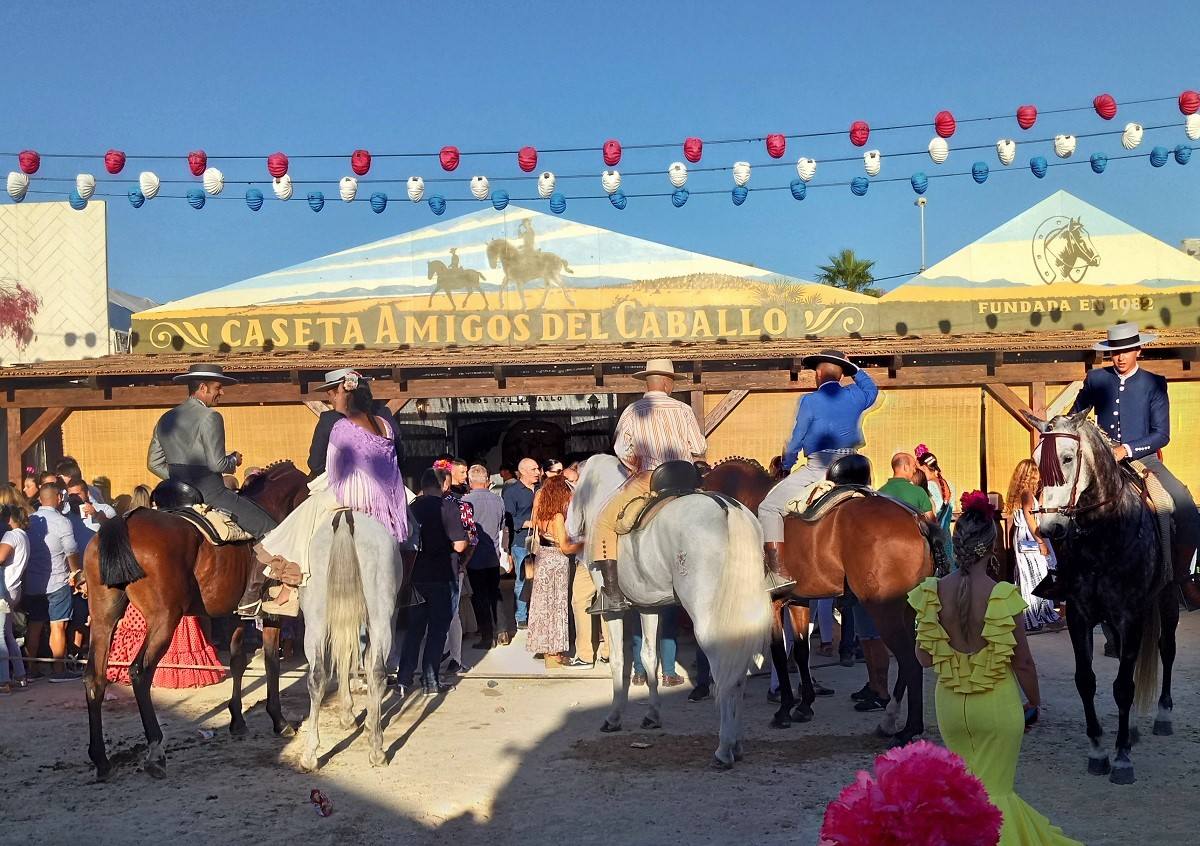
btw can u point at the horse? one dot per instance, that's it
(455, 279)
(880, 547)
(709, 554)
(521, 267)
(160, 562)
(1111, 563)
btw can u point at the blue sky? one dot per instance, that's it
(252, 78)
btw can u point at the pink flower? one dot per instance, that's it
(921, 450)
(978, 501)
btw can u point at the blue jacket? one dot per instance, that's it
(1137, 414)
(830, 418)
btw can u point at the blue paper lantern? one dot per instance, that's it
(618, 199)
(1099, 162)
(195, 198)
(920, 182)
(740, 193)
(799, 189)
(1183, 154)
(979, 172)
(378, 202)
(437, 204)
(316, 201)
(499, 199)
(859, 186)
(1038, 165)
(558, 202)
(77, 202)
(679, 196)
(1159, 156)
(136, 198)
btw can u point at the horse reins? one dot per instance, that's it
(1072, 508)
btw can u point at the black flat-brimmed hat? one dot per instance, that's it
(1124, 336)
(832, 357)
(205, 373)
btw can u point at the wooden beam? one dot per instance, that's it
(895, 366)
(317, 407)
(15, 467)
(598, 374)
(1037, 398)
(697, 403)
(697, 372)
(498, 373)
(722, 410)
(46, 421)
(395, 405)
(1010, 402)
(1063, 401)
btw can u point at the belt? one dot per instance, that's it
(825, 457)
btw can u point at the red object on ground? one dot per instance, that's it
(527, 159)
(1026, 116)
(323, 805)
(197, 161)
(776, 145)
(859, 132)
(612, 151)
(945, 124)
(1189, 102)
(449, 158)
(30, 161)
(188, 646)
(114, 161)
(277, 164)
(360, 162)
(1105, 106)
(693, 149)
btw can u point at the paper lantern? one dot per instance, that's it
(618, 199)
(979, 172)
(214, 181)
(1038, 165)
(277, 165)
(806, 169)
(1191, 127)
(612, 151)
(499, 199)
(449, 157)
(196, 198)
(693, 149)
(527, 159)
(360, 162)
(379, 202)
(741, 173)
(945, 124)
(1099, 162)
(29, 161)
(282, 186)
(1189, 102)
(316, 200)
(77, 202)
(1159, 156)
(678, 174)
(1105, 106)
(437, 204)
(740, 193)
(254, 199)
(1132, 136)
(871, 162)
(920, 182)
(546, 183)
(416, 188)
(939, 150)
(859, 186)
(148, 183)
(18, 185)
(679, 196)
(348, 189)
(776, 145)
(114, 161)
(558, 202)
(798, 188)
(610, 181)
(136, 198)
(85, 185)
(197, 161)
(859, 132)
(480, 187)
(1064, 146)
(1006, 151)
(1026, 116)
(1183, 154)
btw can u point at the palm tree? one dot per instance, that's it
(848, 272)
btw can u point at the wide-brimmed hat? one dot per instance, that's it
(1124, 336)
(658, 367)
(333, 378)
(205, 373)
(832, 357)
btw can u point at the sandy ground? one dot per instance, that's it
(520, 761)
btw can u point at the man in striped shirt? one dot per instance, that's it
(651, 431)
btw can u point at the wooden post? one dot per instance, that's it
(317, 407)
(722, 410)
(1037, 404)
(697, 402)
(13, 419)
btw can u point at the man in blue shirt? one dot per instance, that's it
(518, 504)
(828, 425)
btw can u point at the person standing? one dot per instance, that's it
(86, 516)
(50, 577)
(483, 569)
(14, 556)
(518, 505)
(941, 493)
(1033, 553)
(549, 610)
(457, 468)
(67, 468)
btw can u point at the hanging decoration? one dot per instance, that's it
(114, 161)
(437, 204)
(920, 182)
(77, 202)
(610, 181)
(859, 185)
(29, 161)
(1132, 136)
(619, 200)
(282, 186)
(979, 172)
(1189, 102)
(1191, 127)
(776, 145)
(348, 189)
(360, 162)
(85, 185)
(872, 162)
(136, 198)
(1183, 154)
(1038, 165)
(18, 185)
(859, 133)
(678, 174)
(798, 188)
(1159, 156)
(148, 183)
(1064, 146)
(197, 161)
(379, 202)
(254, 199)
(214, 181)
(741, 173)
(1026, 116)
(480, 187)
(546, 182)
(499, 200)
(939, 150)
(316, 200)
(693, 149)
(1006, 151)
(740, 193)
(527, 159)
(806, 169)
(449, 157)
(558, 202)
(416, 188)
(612, 152)
(1099, 162)
(679, 196)
(196, 198)
(1105, 106)
(945, 124)
(277, 165)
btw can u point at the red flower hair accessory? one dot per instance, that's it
(443, 464)
(978, 501)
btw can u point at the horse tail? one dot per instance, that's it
(1145, 674)
(347, 604)
(118, 565)
(566, 266)
(742, 606)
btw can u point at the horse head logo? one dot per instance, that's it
(1063, 250)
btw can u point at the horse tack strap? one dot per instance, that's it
(1163, 506)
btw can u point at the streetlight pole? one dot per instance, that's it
(920, 204)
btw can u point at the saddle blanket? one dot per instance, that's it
(216, 527)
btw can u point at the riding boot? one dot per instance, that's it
(779, 583)
(251, 601)
(609, 599)
(1189, 591)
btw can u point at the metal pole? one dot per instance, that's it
(920, 204)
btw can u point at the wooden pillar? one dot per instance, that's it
(21, 440)
(13, 421)
(697, 403)
(722, 410)
(1037, 404)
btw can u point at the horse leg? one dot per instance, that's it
(779, 661)
(620, 672)
(1123, 691)
(1169, 616)
(889, 726)
(270, 633)
(314, 650)
(896, 627)
(160, 628)
(378, 646)
(650, 622)
(107, 611)
(238, 660)
(1080, 628)
(803, 712)
(729, 747)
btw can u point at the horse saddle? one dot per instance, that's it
(216, 527)
(670, 481)
(847, 478)
(173, 493)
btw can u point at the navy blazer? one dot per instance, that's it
(1137, 414)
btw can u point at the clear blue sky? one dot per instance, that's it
(307, 77)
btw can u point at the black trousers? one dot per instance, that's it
(485, 599)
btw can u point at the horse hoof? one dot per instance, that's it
(377, 759)
(648, 723)
(286, 730)
(346, 722)
(1122, 775)
(105, 775)
(1163, 728)
(238, 730)
(609, 728)
(1099, 766)
(778, 722)
(307, 765)
(802, 716)
(717, 764)
(156, 769)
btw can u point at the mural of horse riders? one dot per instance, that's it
(526, 264)
(455, 278)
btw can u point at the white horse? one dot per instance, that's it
(708, 555)
(349, 551)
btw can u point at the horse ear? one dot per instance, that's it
(1078, 418)
(1033, 420)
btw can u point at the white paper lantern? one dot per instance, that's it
(85, 185)
(214, 181)
(546, 181)
(282, 186)
(806, 169)
(1191, 126)
(939, 150)
(1006, 149)
(416, 188)
(348, 188)
(480, 189)
(872, 161)
(1132, 136)
(677, 173)
(1064, 146)
(610, 181)
(18, 184)
(741, 173)
(148, 184)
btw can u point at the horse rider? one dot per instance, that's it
(455, 263)
(318, 451)
(651, 431)
(828, 425)
(527, 234)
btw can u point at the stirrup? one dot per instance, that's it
(603, 605)
(778, 586)
(251, 611)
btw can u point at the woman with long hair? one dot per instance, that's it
(549, 608)
(1033, 552)
(140, 498)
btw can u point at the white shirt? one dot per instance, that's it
(14, 571)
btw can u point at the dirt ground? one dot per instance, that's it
(520, 761)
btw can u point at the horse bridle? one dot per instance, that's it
(1072, 509)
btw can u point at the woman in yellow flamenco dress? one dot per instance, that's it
(969, 629)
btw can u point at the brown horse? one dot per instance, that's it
(879, 546)
(171, 571)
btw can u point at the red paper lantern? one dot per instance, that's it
(859, 132)
(360, 162)
(1026, 116)
(945, 124)
(277, 164)
(776, 145)
(1105, 106)
(527, 159)
(612, 151)
(1189, 102)
(449, 158)
(197, 161)
(693, 149)
(29, 161)
(114, 161)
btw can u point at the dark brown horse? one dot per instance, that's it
(879, 546)
(180, 573)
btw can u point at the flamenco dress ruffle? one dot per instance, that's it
(188, 647)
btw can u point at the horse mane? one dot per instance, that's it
(272, 472)
(1109, 480)
(741, 459)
